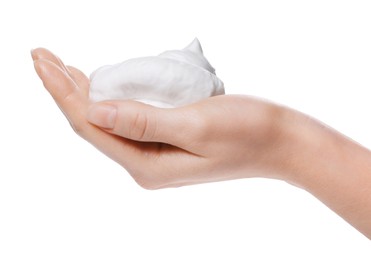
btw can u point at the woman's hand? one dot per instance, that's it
(220, 138)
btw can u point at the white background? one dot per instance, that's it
(62, 199)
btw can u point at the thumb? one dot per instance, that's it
(140, 122)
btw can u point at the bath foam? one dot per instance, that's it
(173, 78)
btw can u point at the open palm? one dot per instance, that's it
(216, 139)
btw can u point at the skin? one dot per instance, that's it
(220, 138)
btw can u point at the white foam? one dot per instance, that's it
(173, 78)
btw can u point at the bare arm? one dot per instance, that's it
(220, 138)
(332, 167)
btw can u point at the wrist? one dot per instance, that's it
(301, 147)
(330, 166)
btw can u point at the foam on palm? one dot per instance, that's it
(172, 79)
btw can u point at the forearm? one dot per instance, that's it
(332, 167)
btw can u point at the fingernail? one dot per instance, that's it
(102, 115)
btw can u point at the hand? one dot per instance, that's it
(220, 138)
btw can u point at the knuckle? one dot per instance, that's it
(142, 127)
(68, 97)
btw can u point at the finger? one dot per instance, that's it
(62, 88)
(74, 105)
(80, 78)
(141, 122)
(45, 54)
